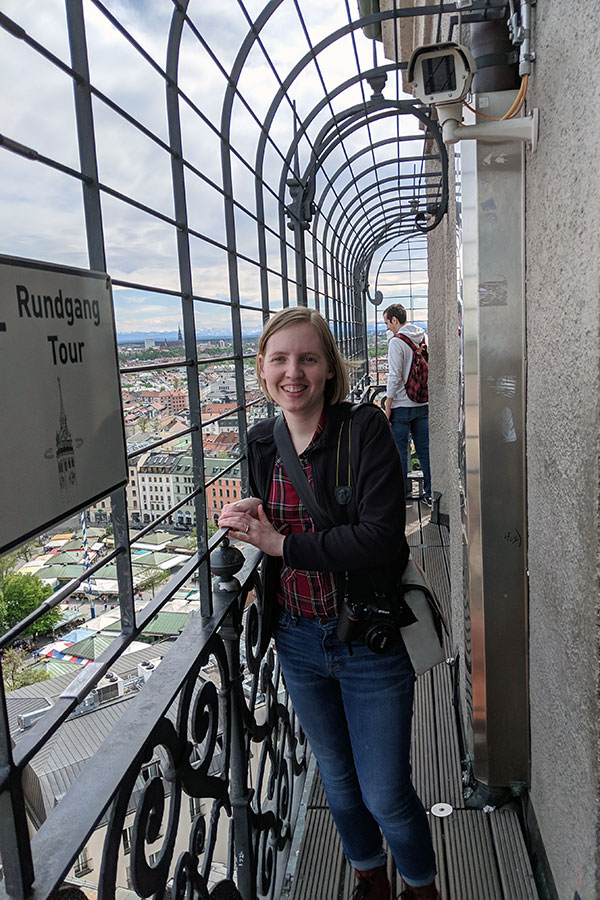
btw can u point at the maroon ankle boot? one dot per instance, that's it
(427, 892)
(372, 884)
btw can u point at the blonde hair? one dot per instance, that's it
(336, 387)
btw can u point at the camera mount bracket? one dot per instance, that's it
(522, 128)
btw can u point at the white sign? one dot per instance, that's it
(62, 443)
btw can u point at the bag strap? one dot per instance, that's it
(296, 474)
(408, 341)
(419, 349)
(343, 478)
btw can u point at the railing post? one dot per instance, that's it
(15, 848)
(225, 562)
(239, 792)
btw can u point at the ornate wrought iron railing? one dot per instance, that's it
(216, 721)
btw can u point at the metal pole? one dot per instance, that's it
(187, 302)
(15, 847)
(97, 257)
(240, 793)
(86, 558)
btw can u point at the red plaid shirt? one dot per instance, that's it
(303, 592)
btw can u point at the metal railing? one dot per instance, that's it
(217, 718)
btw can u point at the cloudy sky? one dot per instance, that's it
(42, 206)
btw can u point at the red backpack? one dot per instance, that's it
(416, 383)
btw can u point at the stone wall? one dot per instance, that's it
(563, 303)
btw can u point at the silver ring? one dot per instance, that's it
(247, 529)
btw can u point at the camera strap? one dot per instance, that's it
(296, 474)
(343, 492)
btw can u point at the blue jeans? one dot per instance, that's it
(407, 421)
(356, 711)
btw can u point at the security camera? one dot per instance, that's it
(441, 73)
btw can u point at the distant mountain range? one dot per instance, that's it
(138, 337)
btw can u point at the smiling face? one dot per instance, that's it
(295, 370)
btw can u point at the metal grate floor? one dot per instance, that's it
(481, 855)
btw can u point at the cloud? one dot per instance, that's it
(46, 214)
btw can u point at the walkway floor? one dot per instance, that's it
(481, 855)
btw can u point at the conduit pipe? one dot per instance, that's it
(496, 57)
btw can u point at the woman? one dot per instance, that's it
(354, 705)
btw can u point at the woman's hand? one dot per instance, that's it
(248, 505)
(251, 525)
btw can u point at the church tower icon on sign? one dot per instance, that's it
(65, 452)
(66, 445)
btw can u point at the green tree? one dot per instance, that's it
(17, 671)
(21, 595)
(10, 561)
(152, 578)
(191, 540)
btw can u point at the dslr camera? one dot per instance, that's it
(372, 621)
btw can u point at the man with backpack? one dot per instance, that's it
(407, 401)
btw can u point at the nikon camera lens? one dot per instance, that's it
(380, 636)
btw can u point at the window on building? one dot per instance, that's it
(127, 838)
(151, 771)
(195, 807)
(83, 863)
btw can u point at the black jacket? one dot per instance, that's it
(369, 530)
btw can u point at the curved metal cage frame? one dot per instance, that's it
(269, 176)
